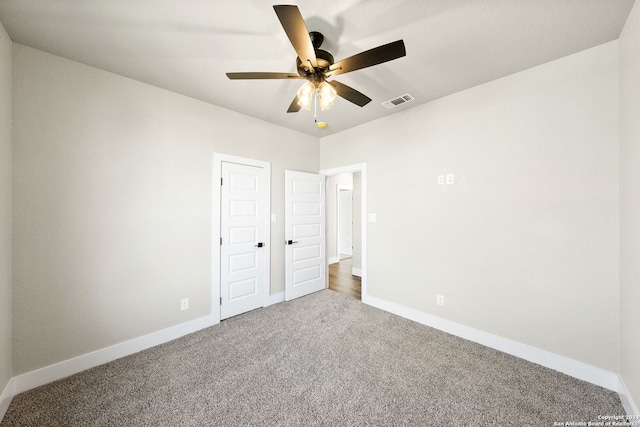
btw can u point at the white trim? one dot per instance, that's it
(356, 272)
(57, 371)
(627, 401)
(276, 298)
(362, 168)
(6, 397)
(334, 259)
(554, 361)
(77, 364)
(218, 158)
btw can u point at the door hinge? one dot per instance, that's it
(221, 241)
(220, 300)
(221, 179)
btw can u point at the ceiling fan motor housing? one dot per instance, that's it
(323, 58)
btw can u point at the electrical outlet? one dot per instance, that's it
(450, 179)
(184, 304)
(440, 179)
(440, 300)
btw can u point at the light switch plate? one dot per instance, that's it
(372, 217)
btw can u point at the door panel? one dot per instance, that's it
(305, 267)
(306, 253)
(243, 224)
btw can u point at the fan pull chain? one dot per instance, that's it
(315, 106)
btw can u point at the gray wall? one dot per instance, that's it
(630, 202)
(5, 209)
(112, 204)
(525, 244)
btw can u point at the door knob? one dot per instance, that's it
(290, 242)
(259, 245)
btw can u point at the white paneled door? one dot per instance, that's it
(305, 267)
(244, 222)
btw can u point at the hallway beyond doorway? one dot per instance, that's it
(341, 280)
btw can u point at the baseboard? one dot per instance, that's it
(334, 259)
(629, 405)
(574, 368)
(6, 397)
(275, 298)
(594, 375)
(356, 272)
(69, 367)
(38, 377)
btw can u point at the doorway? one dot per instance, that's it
(347, 268)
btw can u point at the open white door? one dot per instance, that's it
(305, 266)
(244, 234)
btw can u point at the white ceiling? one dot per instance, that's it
(186, 46)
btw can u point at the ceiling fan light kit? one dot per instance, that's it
(316, 65)
(305, 95)
(326, 95)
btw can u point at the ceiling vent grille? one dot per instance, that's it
(398, 101)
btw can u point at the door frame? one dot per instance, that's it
(218, 159)
(362, 168)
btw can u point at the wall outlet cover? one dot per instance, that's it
(450, 178)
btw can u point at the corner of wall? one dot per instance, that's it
(6, 309)
(629, 81)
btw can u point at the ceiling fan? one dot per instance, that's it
(317, 65)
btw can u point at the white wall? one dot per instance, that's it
(112, 204)
(630, 202)
(525, 244)
(5, 209)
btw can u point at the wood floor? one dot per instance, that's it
(341, 280)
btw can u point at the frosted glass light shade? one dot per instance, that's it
(326, 95)
(305, 95)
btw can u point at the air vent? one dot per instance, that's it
(398, 101)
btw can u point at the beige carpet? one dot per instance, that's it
(325, 359)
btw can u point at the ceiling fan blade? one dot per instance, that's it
(368, 58)
(350, 94)
(244, 76)
(296, 30)
(294, 107)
